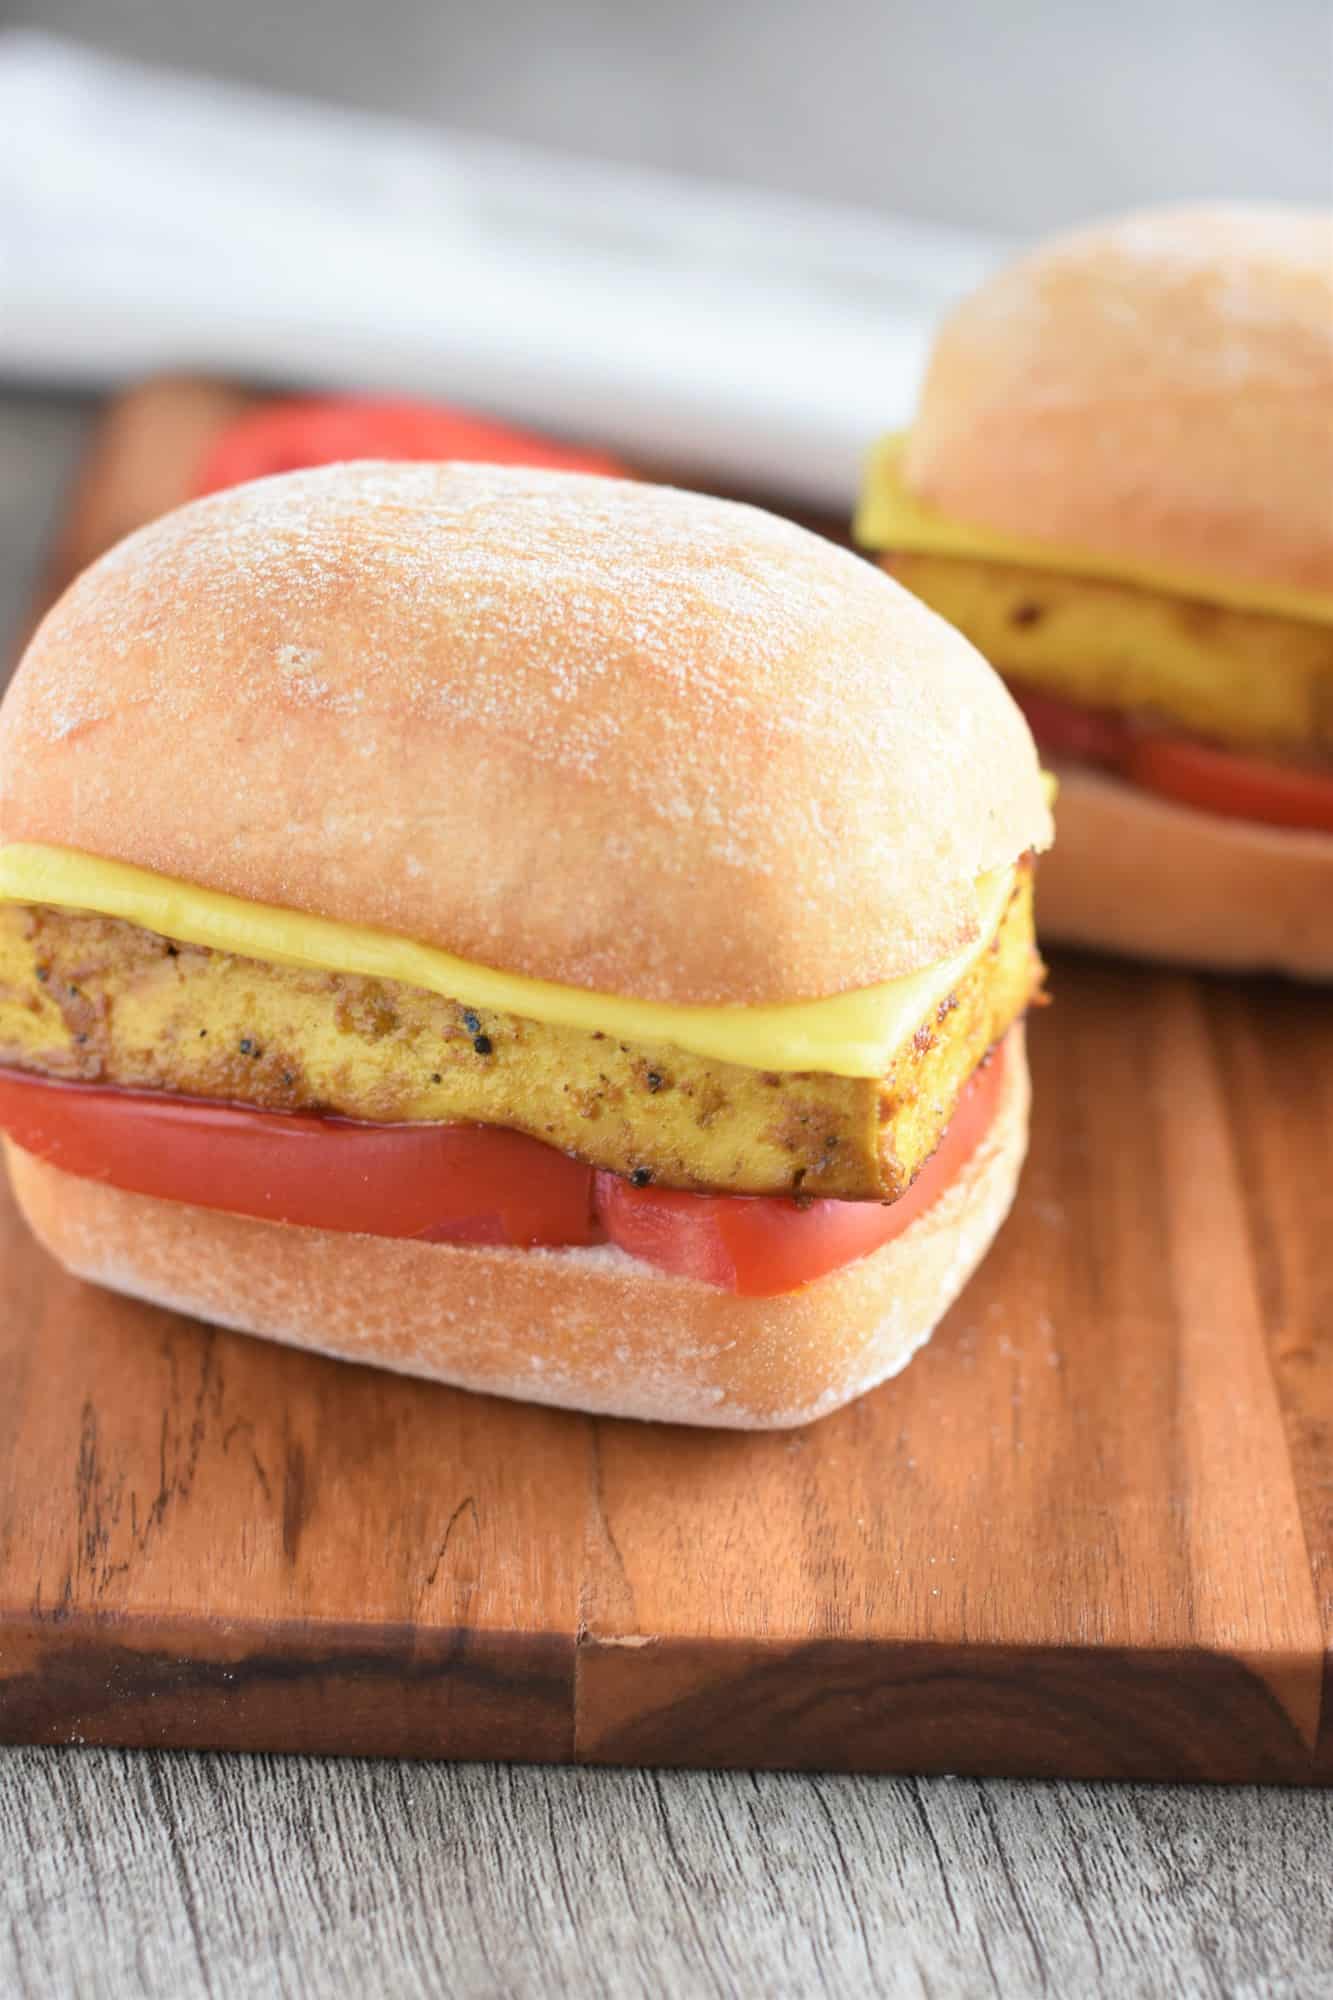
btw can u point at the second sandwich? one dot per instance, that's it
(1119, 484)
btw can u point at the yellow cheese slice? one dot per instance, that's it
(889, 517)
(849, 1034)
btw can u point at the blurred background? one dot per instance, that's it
(1014, 116)
(713, 236)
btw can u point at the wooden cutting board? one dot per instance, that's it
(1089, 1532)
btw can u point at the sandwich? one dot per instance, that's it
(563, 937)
(1119, 485)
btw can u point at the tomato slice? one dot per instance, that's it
(442, 1183)
(1232, 784)
(460, 1183)
(1067, 729)
(761, 1245)
(309, 430)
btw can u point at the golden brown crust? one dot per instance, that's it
(1159, 387)
(1133, 873)
(591, 1330)
(603, 733)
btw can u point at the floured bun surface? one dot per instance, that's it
(591, 1329)
(605, 734)
(1158, 388)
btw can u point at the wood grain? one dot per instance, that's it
(1089, 1531)
(207, 1540)
(1077, 1503)
(247, 1878)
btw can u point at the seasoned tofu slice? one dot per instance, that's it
(1247, 678)
(97, 999)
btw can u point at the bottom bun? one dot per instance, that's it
(1134, 873)
(586, 1329)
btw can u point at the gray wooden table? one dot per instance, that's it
(183, 1876)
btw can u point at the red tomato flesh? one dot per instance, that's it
(1238, 787)
(310, 430)
(1227, 782)
(1089, 735)
(460, 1183)
(760, 1245)
(443, 1183)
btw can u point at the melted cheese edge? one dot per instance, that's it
(888, 516)
(848, 1034)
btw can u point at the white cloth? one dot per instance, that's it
(152, 220)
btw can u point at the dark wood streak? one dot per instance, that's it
(465, 1510)
(106, 1500)
(317, 1688)
(294, 1501)
(991, 1711)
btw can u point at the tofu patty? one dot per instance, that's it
(1248, 679)
(95, 999)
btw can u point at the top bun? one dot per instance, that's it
(1159, 387)
(602, 733)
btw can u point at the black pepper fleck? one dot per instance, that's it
(1026, 613)
(472, 1022)
(288, 1078)
(641, 1177)
(80, 1039)
(74, 991)
(43, 974)
(202, 1033)
(172, 951)
(482, 1044)
(654, 1080)
(435, 1076)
